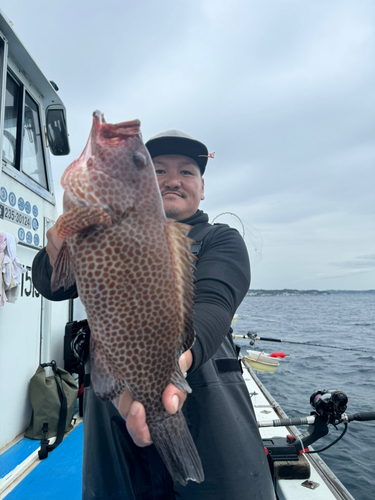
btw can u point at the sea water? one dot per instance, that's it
(345, 320)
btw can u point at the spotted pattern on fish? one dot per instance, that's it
(132, 268)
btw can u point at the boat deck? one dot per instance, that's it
(24, 477)
(328, 486)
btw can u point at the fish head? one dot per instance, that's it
(117, 147)
(115, 170)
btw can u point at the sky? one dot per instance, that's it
(282, 91)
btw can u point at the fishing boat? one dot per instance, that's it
(33, 125)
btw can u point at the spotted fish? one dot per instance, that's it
(132, 267)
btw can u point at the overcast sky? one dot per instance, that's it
(282, 91)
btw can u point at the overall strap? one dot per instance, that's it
(199, 237)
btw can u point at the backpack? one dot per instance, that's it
(53, 400)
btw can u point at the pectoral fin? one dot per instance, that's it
(79, 218)
(63, 271)
(179, 381)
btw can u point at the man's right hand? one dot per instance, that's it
(53, 245)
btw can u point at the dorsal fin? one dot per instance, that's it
(182, 265)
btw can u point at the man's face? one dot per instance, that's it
(181, 185)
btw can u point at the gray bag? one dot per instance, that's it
(53, 400)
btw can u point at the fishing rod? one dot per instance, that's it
(253, 337)
(329, 408)
(287, 422)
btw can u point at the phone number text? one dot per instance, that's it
(15, 216)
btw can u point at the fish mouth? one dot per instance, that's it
(115, 132)
(120, 130)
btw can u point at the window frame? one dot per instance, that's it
(42, 138)
(15, 171)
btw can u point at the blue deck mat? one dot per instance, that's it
(58, 476)
(16, 455)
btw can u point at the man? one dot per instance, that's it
(119, 460)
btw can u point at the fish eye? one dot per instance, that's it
(139, 160)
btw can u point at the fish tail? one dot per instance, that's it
(176, 447)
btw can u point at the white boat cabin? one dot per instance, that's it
(32, 125)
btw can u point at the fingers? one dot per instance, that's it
(185, 361)
(173, 398)
(124, 402)
(136, 425)
(134, 414)
(54, 244)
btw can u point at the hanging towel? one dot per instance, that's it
(3, 244)
(11, 269)
(11, 249)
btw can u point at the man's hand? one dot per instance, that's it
(53, 245)
(134, 413)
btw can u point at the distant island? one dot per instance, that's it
(289, 292)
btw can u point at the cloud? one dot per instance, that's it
(358, 264)
(282, 91)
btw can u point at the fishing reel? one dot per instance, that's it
(330, 405)
(252, 336)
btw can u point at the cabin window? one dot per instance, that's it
(32, 163)
(22, 142)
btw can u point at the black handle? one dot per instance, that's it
(366, 415)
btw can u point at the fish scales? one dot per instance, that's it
(140, 316)
(132, 267)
